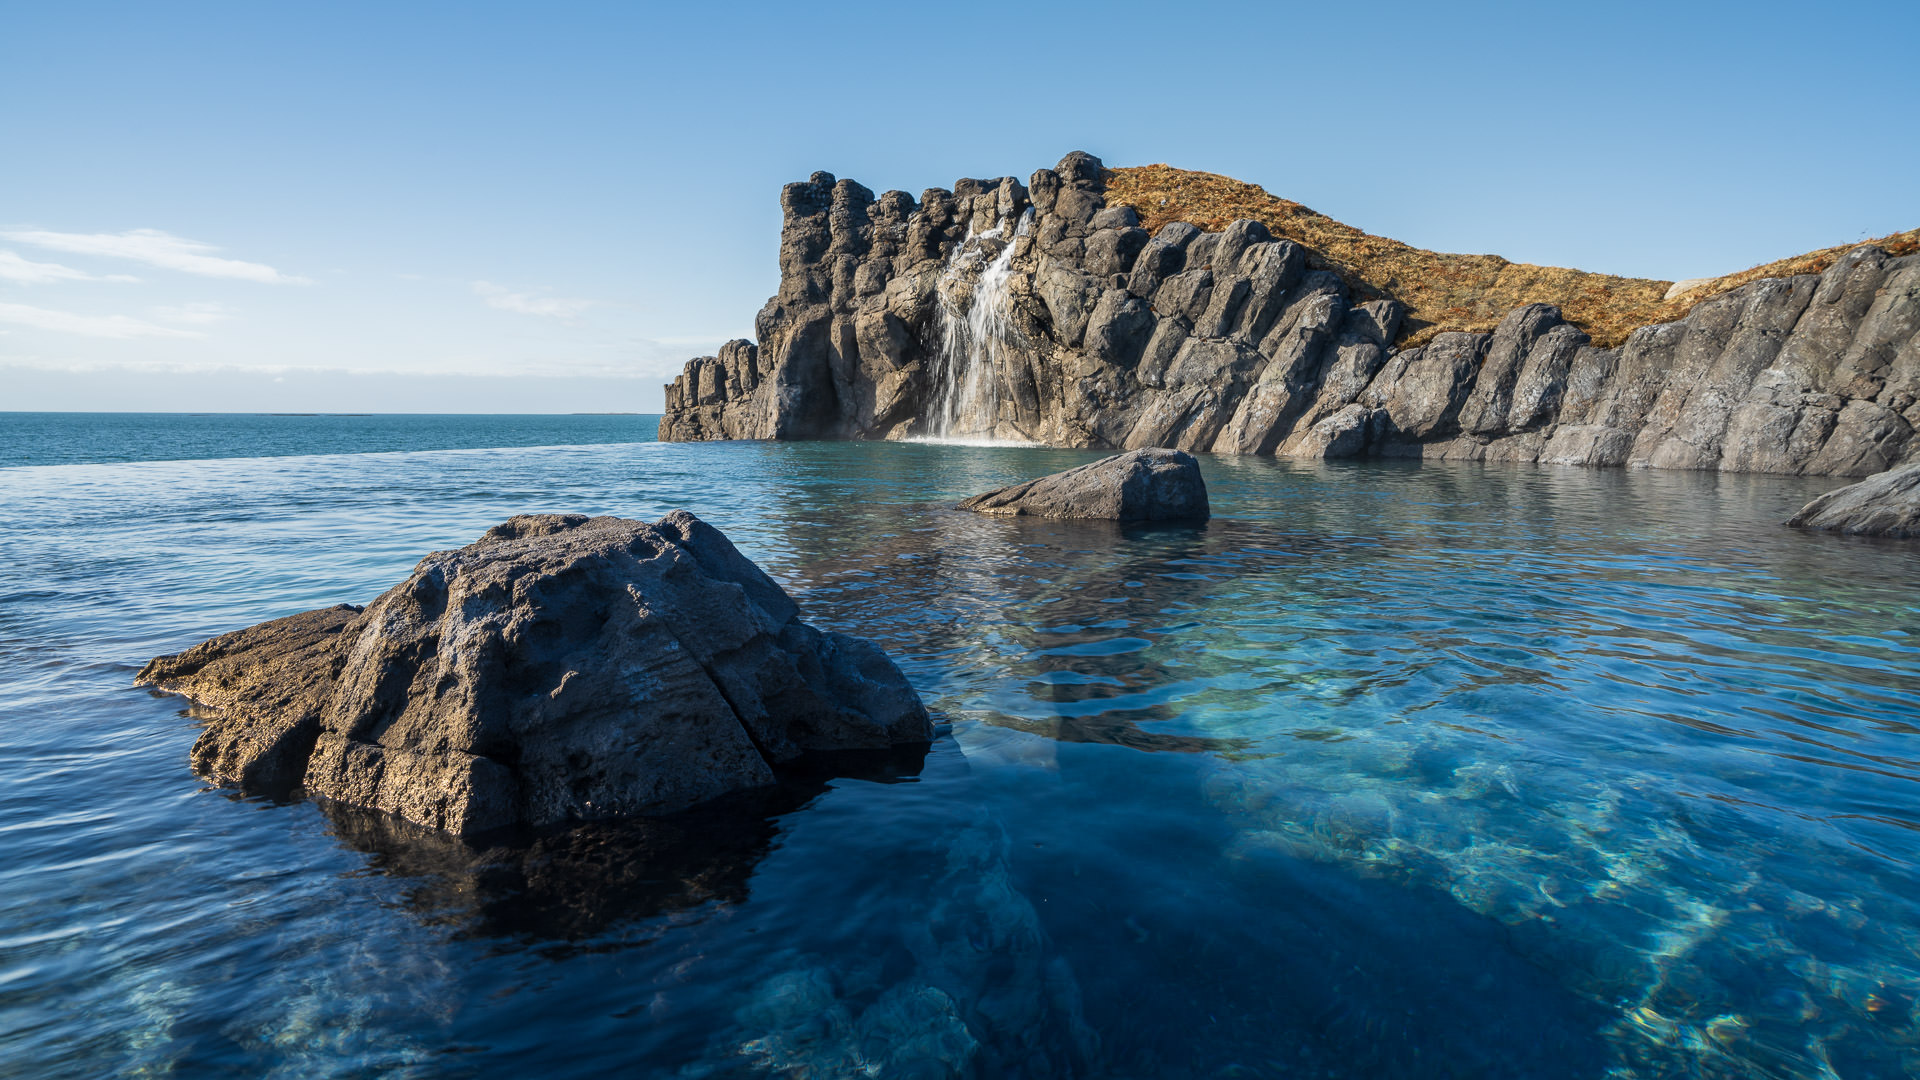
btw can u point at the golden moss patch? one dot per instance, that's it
(1442, 291)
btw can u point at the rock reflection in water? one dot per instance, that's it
(1515, 761)
(572, 883)
(947, 973)
(576, 882)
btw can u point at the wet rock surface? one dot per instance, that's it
(560, 668)
(1232, 342)
(1140, 485)
(1883, 505)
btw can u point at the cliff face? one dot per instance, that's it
(1037, 313)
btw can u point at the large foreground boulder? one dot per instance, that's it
(1887, 504)
(560, 668)
(1139, 485)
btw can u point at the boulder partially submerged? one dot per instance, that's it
(1886, 504)
(1139, 485)
(560, 668)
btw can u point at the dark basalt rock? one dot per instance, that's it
(1883, 505)
(1231, 342)
(1141, 485)
(560, 668)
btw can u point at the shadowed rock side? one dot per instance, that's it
(560, 668)
(572, 883)
(1140, 485)
(1883, 505)
(1228, 342)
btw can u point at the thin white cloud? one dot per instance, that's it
(155, 248)
(553, 307)
(100, 326)
(27, 272)
(195, 314)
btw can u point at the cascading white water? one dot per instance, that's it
(973, 340)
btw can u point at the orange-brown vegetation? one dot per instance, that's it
(1442, 291)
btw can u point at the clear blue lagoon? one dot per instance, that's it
(1390, 770)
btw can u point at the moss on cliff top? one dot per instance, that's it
(1442, 291)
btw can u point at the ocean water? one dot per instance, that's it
(50, 438)
(1390, 770)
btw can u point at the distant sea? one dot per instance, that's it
(46, 438)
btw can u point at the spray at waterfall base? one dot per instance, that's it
(975, 332)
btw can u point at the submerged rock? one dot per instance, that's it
(1140, 485)
(1887, 504)
(560, 668)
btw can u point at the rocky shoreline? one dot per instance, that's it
(1039, 313)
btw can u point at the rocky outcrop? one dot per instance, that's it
(1140, 485)
(264, 689)
(1085, 331)
(1883, 505)
(560, 668)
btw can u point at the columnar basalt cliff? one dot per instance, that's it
(1038, 313)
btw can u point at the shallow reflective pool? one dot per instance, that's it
(1389, 770)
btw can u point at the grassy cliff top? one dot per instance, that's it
(1442, 291)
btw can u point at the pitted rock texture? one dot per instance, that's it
(266, 686)
(560, 668)
(1140, 485)
(1229, 342)
(1883, 505)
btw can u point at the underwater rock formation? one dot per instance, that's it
(1140, 485)
(1884, 505)
(560, 668)
(964, 983)
(1038, 313)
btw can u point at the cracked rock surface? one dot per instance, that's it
(560, 668)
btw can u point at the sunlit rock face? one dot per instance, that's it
(1139, 485)
(560, 668)
(1002, 311)
(1884, 505)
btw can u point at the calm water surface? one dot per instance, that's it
(1390, 770)
(49, 438)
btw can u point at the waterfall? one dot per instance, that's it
(964, 404)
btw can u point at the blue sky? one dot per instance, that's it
(549, 207)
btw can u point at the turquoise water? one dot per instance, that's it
(1389, 770)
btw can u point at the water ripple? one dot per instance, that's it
(1389, 769)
